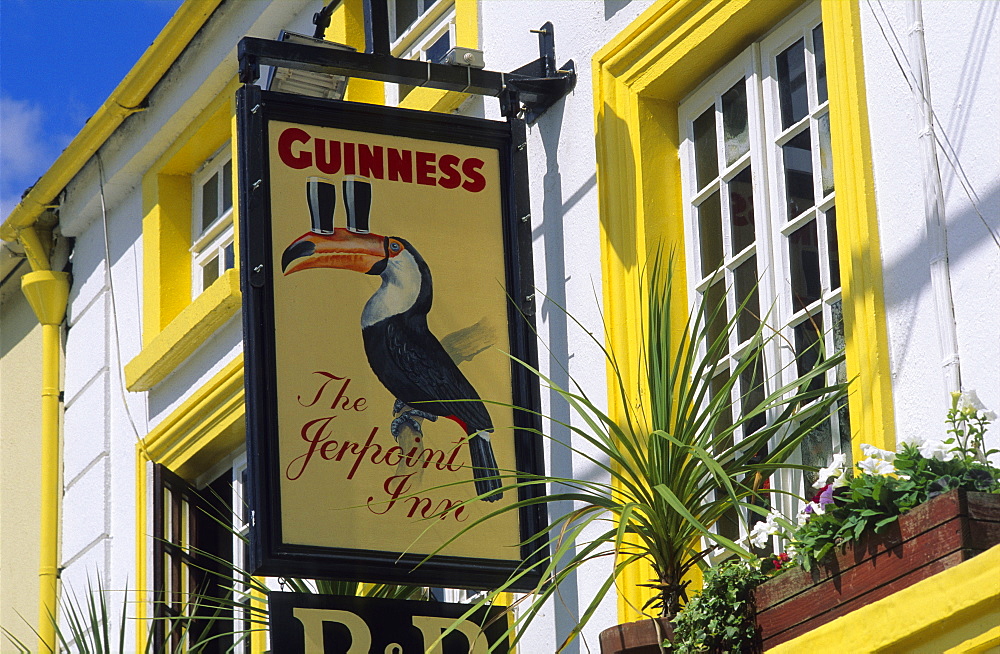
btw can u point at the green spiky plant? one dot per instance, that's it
(674, 463)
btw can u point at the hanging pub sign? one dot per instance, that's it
(386, 276)
(328, 624)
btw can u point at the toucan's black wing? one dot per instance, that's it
(412, 364)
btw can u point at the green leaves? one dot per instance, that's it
(721, 618)
(688, 448)
(872, 502)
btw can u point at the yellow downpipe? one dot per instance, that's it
(47, 293)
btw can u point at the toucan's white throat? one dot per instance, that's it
(398, 292)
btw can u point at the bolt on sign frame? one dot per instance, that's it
(377, 368)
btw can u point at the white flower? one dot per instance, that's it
(989, 416)
(876, 453)
(935, 449)
(835, 469)
(817, 508)
(969, 402)
(802, 518)
(790, 550)
(763, 530)
(875, 466)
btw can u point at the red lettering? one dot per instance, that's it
(364, 449)
(314, 439)
(425, 168)
(327, 156)
(400, 165)
(349, 167)
(370, 161)
(475, 182)
(452, 178)
(395, 487)
(454, 453)
(299, 160)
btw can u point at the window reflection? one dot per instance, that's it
(792, 92)
(706, 161)
(710, 233)
(797, 157)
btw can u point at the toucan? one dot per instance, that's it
(402, 352)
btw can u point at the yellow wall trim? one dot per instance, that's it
(199, 433)
(867, 346)
(937, 614)
(640, 77)
(186, 333)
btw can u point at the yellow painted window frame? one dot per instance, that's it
(640, 77)
(173, 324)
(197, 435)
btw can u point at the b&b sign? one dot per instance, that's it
(334, 624)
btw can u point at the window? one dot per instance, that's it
(760, 214)
(423, 30)
(403, 14)
(197, 533)
(212, 249)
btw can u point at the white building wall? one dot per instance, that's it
(963, 51)
(567, 257)
(100, 435)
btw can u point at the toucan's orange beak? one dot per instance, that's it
(342, 249)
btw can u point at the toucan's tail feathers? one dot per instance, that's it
(484, 467)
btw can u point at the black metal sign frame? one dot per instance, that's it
(270, 554)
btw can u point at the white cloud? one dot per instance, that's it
(21, 139)
(26, 150)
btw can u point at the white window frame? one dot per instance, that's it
(236, 464)
(438, 20)
(211, 242)
(771, 225)
(429, 14)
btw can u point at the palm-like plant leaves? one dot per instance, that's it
(675, 466)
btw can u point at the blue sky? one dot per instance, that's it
(59, 61)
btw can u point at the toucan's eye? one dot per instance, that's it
(395, 247)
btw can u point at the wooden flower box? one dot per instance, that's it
(937, 535)
(641, 637)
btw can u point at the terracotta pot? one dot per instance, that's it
(641, 637)
(936, 535)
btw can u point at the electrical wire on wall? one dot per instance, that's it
(940, 133)
(109, 281)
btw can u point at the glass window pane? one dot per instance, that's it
(803, 263)
(735, 123)
(809, 347)
(825, 154)
(792, 92)
(210, 201)
(817, 449)
(228, 257)
(747, 295)
(832, 247)
(209, 272)
(752, 383)
(706, 159)
(436, 52)
(741, 210)
(227, 187)
(406, 13)
(725, 418)
(798, 174)
(715, 312)
(820, 53)
(710, 234)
